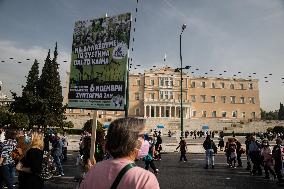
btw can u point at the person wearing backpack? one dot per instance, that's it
(149, 160)
(124, 140)
(30, 166)
(209, 147)
(56, 153)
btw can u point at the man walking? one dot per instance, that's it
(209, 147)
(183, 148)
(56, 153)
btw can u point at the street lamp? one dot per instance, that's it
(181, 108)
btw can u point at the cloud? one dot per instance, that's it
(12, 73)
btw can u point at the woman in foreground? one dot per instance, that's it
(124, 139)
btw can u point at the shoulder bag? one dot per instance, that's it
(121, 174)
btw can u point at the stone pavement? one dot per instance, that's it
(169, 143)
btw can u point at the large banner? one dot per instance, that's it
(98, 70)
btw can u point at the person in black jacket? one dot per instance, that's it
(239, 153)
(209, 147)
(158, 147)
(183, 148)
(276, 154)
(30, 166)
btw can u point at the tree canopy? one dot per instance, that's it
(41, 100)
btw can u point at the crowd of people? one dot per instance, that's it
(28, 154)
(126, 141)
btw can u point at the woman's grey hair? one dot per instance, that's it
(122, 136)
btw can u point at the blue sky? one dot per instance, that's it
(244, 35)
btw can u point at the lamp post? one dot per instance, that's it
(181, 108)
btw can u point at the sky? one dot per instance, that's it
(244, 36)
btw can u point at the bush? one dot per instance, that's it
(74, 131)
(278, 129)
(68, 124)
(270, 129)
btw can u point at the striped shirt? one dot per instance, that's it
(6, 149)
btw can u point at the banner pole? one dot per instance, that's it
(93, 138)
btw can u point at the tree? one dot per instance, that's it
(50, 93)
(271, 115)
(88, 126)
(30, 95)
(4, 116)
(28, 102)
(19, 121)
(281, 112)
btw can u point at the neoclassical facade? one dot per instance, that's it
(157, 93)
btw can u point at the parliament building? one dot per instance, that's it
(156, 95)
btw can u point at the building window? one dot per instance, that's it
(213, 85)
(194, 113)
(171, 94)
(242, 100)
(233, 99)
(224, 114)
(243, 114)
(223, 99)
(222, 85)
(203, 98)
(138, 82)
(214, 114)
(251, 100)
(152, 82)
(166, 95)
(166, 81)
(171, 83)
(137, 111)
(241, 86)
(137, 96)
(203, 85)
(193, 98)
(234, 114)
(232, 86)
(253, 115)
(152, 95)
(213, 99)
(203, 113)
(250, 86)
(161, 94)
(193, 84)
(161, 83)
